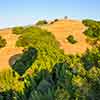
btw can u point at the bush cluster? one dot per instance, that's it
(71, 39)
(41, 22)
(2, 42)
(18, 30)
(93, 28)
(25, 60)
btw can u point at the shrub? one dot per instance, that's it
(71, 39)
(91, 58)
(2, 42)
(41, 22)
(89, 22)
(51, 22)
(93, 30)
(92, 41)
(25, 61)
(9, 81)
(56, 20)
(18, 30)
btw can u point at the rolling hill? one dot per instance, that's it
(61, 29)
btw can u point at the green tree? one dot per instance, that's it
(41, 22)
(71, 39)
(2, 42)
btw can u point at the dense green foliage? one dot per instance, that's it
(2, 42)
(25, 60)
(46, 45)
(71, 39)
(41, 22)
(93, 29)
(92, 58)
(52, 75)
(18, 30)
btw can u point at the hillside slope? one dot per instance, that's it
(9, 50)
(62, 29)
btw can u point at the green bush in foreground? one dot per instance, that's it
(71, 39)
(2, 42)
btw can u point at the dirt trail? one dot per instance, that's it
(9, 50)
(63, 28)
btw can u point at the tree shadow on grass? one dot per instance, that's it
(21, 62)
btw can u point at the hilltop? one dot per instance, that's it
(65, 27)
